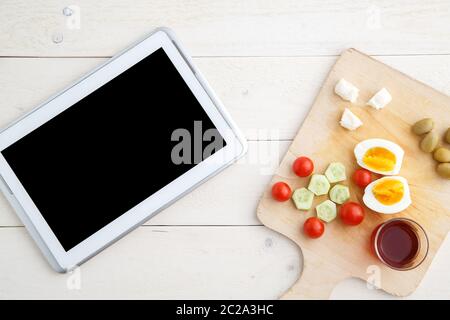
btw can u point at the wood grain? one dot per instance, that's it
(228, 28)
(158, 263)
(344, 251)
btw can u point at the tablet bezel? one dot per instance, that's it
(21, 201)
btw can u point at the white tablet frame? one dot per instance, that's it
(236, 147)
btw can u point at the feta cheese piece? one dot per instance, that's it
(346, 90)
(380, 99)
(350, 121)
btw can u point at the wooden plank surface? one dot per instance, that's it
(267, 97)
(183, 263)
(266, 60)
(228, 28)
(156, 262)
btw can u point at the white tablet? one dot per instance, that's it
(107, 153)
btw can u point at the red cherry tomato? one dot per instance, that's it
(281, 191)
(362, 177)
(352, 213)
(313, 227)
(303, 166)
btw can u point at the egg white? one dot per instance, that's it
(362, 147)
(372, 203)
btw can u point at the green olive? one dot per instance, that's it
(443, 169)
(429, 142)
(423, 126)
(442, 154)
(447, 136)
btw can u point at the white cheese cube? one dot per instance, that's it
(346, 90)
(380, 99)
(350, 121)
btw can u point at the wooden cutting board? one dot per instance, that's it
(344, 251)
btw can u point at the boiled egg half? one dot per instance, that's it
(387, 195)
(380, 156)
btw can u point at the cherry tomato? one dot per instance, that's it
(313, 227)
(362, 177)
(352, 213)
(303, 166)
(281, 191)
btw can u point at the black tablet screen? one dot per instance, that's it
(113, 149)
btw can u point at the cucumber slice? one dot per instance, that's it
(339, 194)
(326, 211)
(335, 172)
(319, 184)
(303, 198)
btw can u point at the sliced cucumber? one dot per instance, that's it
(326, 211)
(339, 194)
(303, 198)
(319, 184)
(335, 172)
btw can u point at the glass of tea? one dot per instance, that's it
(400, 243)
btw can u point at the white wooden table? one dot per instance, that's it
(266, 60)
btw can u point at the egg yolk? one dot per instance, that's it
(388, 191)
(380, 159)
